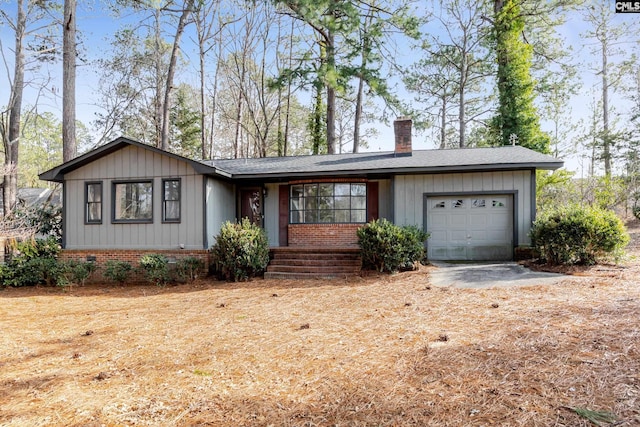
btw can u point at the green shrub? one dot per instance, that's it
(32, 262)
(389, 247)
(117, 271)
(188, 268)
(578, 235)
(78, 272)
(241, 250)
(155, 268)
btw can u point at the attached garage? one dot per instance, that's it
(475, 227)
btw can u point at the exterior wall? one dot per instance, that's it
(271, 213)
(221, 207)
(408, 192)
(101, 256)
(385, 200)
(335, 235)
(134, 163)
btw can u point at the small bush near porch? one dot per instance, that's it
(385, 246)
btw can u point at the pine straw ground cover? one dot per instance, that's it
(371, 351)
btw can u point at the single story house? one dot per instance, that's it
(127, 198)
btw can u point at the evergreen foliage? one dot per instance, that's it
(517, 120)
(118, 271)
(155, 268)
(578, 235)
(241, 250)
(32, 262)
(389, 247)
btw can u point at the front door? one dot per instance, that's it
(251, 205)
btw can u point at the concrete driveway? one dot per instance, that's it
(488, 275)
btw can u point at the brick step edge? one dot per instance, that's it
(318, 276)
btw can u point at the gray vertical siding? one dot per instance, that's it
(271, 213)
(221, 207)
(133, 163)
(408, 193)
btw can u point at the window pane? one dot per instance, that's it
(172, 210)
(94, 202)
(343, 216)
(478, 203)
(94, 211)
(310, 203)
(358, 189)
(311, 217)
(297, 217)
(94, 192)
(325, 202)
(358, 216)
(297, 191)
(310, 190)
(325, 190)
(325, 216)
(342, 202)
(457, 203)
(358, 203)
(133, 201)
(342, 189)
(172, 190)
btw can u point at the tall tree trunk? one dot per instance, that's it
(69, 148)
(11, 137)
(331, 99)
(203, 133)
(461, 100)
(166, 108)
(443, 123)
(606, 140)
(158, 80)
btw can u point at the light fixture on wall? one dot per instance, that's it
(265, 193)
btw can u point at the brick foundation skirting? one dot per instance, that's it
(335, 235)
(101, 256)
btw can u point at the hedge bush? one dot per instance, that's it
(118, 271)
(578, 235)
(241, 251)
(155, 267)
(32, 262)
(389, 247)
(188, 268)
(77, 272)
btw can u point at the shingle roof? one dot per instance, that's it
(381, 163)
(420, 161)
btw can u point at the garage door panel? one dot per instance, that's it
(478, 235)
(478, 220)
(458, 220)
(438, 235)
(470, 227)
(439, 220)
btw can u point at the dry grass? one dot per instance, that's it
(374, 351)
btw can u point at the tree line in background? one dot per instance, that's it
(235, 78)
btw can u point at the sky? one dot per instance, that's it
(96, 27)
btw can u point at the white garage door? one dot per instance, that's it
(478, 227)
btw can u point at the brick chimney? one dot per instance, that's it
(402, 131)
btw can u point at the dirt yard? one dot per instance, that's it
(374, 351)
